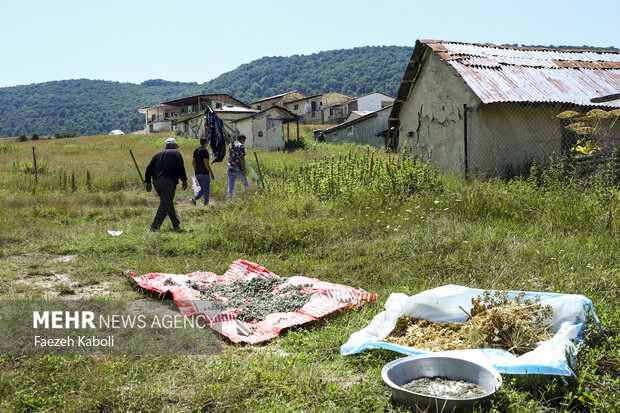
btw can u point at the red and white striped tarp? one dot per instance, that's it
(326, 298)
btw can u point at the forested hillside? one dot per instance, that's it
(84, 106)
(94, 106)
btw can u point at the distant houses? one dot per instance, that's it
(263, 120)
(277, 100)
(363, 130)
(467, 107)
(170, 115)
(493, 109)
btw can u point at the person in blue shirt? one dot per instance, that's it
(202, 171)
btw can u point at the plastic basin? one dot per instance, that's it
(402, 371)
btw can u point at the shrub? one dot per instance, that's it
(65, 134)
(293, 145)
(27, 167)
(35, 137)
(22, 138)
(6, 148)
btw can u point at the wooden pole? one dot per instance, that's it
(34, 158)
(288, 131)
(259, 172)
(297, 128)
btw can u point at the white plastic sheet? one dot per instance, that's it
(553, 356)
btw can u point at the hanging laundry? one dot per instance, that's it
(214, 131)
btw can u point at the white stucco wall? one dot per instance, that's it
(164, 126)
(271, 129)
(431, 120)
(372, 101)
(244, 127)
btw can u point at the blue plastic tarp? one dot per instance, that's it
(554, 356)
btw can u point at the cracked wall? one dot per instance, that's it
(431, 120)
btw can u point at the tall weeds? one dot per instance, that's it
(359, 176)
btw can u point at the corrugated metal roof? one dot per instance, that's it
(515, 74)
(276, 96)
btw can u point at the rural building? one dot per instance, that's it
(363, 130)
(265, 129)
(277, 100)
(193, 125)
(163, 116)
(318, 109)
(370, 102)
(357, 114)
(307, 108)
(492, 109)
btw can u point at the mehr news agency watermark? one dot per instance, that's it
(110, 327)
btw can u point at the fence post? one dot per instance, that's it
(465, 140)
(259, 172)
(34, 158)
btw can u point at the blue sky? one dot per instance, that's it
(196, 41)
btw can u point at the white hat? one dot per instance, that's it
(171, 141)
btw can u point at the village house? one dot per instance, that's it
(265, 129)
(277, 100)
(370, 102)
(192, 125)
(164, 116)
(363, 130)
(325, 108)
(493, 109)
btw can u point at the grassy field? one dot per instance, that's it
(540, 233)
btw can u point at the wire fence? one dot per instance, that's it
(505, 139)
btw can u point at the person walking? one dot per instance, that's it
(236, 166)
(166, 168)
(202, 171)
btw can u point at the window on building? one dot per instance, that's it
(258, 107)
(260, 133)
(350, 130)
(295, 107)
(331, 112)
(218, 105)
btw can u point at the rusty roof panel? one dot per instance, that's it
(528, 84)
(518, 52)
(438, 47)
(513, 74)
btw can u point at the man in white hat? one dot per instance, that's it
(166, 168)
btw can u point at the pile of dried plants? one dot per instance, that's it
(516, 325)
(494, 321)
(427, 335)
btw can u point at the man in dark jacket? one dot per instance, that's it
(166, 168)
